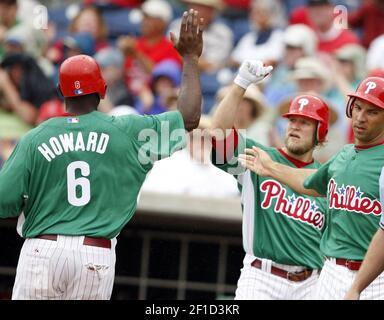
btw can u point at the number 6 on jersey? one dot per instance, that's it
(84, 183)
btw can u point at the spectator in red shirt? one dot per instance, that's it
(319, 15)
(142, 53)
(369, 17)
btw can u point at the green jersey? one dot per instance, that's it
(351, 182)
(278, 224)
(81, 175)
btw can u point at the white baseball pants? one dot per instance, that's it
(335, 280)
(64, 270)
(260, 284)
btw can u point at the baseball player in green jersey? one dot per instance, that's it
(76, 178)
(350, 181)
(373, 264)
(281, 228)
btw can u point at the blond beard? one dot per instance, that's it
(298, 149)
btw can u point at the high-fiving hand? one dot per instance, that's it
(251, 71)
(257, 160)
(190, 42)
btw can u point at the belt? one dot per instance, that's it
(291, 276)
(88, 241)
(353, 265)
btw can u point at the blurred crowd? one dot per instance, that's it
(323, 47)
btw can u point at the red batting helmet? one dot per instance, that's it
(311, 107)
(369, 90)
(80, 75)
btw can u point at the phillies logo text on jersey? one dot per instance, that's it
(350, 198)
(294, 207)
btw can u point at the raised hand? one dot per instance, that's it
(257, 160)
(251, 71)
(190, 42)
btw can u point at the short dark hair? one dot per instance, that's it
(79, 100)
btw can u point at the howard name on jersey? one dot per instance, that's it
(74, 141)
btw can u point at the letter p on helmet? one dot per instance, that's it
(303, 102)
(370, 85)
